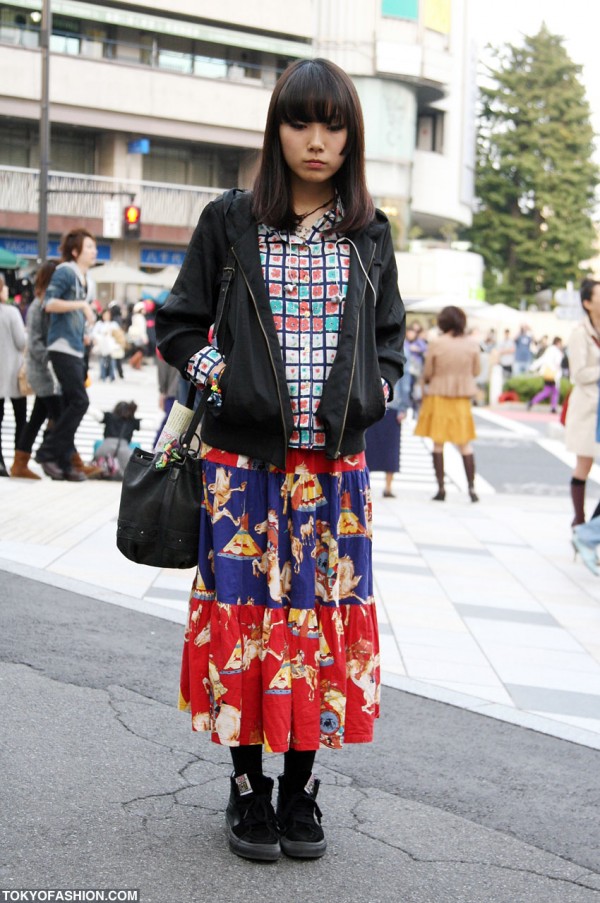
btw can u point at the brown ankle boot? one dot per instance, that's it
(136, 359)
(90, 470)
(20, 469)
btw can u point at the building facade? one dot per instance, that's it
(162, 104)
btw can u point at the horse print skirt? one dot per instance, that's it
(281, 645)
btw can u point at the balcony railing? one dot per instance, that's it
(71, 194)
(146, 53)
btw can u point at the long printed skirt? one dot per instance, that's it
(281, 646)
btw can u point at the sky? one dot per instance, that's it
(506, 21)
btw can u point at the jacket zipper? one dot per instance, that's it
(228, 271)
(337, 451)
(251, 293)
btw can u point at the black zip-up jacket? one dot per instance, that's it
(221, 282)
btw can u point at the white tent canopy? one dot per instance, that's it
(436, 303)
(118, 273)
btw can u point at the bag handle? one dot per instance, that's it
(197, 417)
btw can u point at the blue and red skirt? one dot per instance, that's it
(281, 645)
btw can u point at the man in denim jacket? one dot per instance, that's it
(67, 304)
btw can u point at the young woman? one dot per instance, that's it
(299, 279)
(583, 353)
(452, 362)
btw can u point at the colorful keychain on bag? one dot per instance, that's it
(215, 399)
(169, 452)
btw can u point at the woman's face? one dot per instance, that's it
(4, 293)
(313, 150)
(593, 306)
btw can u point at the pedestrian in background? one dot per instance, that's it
(68, 302)
(524, 346)
(549, 365)
(384, 437)
(105, 343)
(506, 354)
(168, 390)
(451, 365)
(12, 343)
(583, 351)
(309, 335)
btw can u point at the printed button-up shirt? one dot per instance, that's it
(306, 274)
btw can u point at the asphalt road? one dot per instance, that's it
(446, 807)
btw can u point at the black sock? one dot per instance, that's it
(247, 759)
(297, 767)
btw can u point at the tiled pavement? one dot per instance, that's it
(481, 606)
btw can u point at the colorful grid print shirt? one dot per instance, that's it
(306, 275)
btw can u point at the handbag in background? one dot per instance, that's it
(161, 498)
(23, 382)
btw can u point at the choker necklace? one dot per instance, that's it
(303, 216)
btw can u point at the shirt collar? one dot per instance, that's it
(322, 230)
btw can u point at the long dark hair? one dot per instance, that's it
(313, 91)
(43, 277)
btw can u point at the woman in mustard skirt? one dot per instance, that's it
(451, 364)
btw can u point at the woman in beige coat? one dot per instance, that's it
(583, 352)
(452, 362)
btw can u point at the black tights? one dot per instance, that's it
(20, 412)
(248, 760)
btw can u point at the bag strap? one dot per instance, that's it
(197, 417)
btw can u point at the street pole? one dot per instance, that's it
(46, 31)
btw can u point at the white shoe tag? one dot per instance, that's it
(310, 785)
(243, 784)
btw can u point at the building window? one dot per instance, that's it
(73, 151)
(430, 131)
(206, 166)
(18, 27)
(16, 145)
(400, 9)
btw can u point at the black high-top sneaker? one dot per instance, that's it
(251, 823)
(299, 817)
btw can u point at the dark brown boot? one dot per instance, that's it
(20, 469)
(469, 465)
(438, 466)
(578, 498)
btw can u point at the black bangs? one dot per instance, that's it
(313, 94)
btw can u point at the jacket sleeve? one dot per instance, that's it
(580, 371)
(35, 339)
(183, 322)
(390, 316)
(428, 365)
(17, 328)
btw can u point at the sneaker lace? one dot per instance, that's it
(301, 809)
(259, 818)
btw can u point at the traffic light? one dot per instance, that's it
(131, 221)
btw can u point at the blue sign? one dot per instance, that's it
(28, 247)
(160, 257)
(139, 146)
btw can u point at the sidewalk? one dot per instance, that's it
(105, 786)
(480, 606)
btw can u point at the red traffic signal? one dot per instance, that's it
(131, 221)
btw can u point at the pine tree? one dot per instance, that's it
(535, 178)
